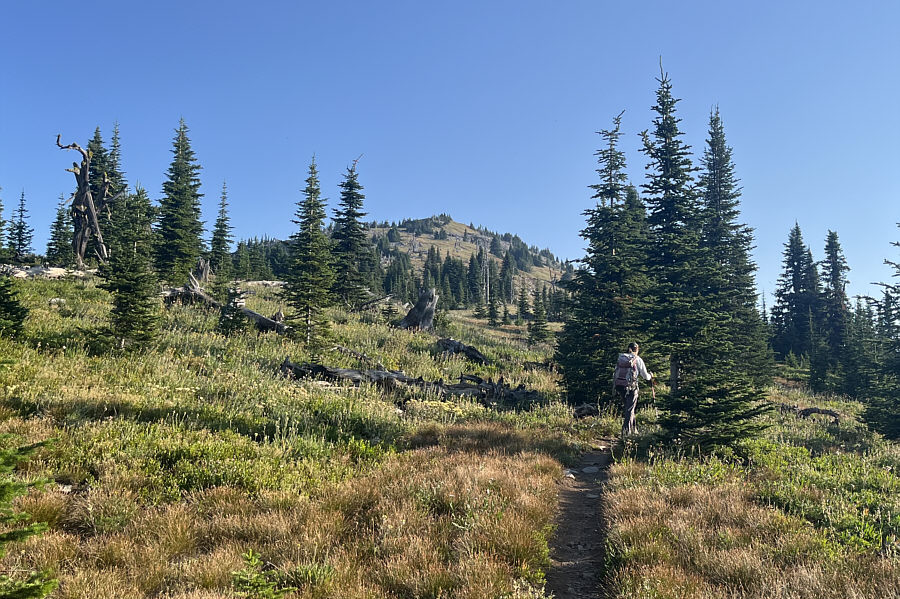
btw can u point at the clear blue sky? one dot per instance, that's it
(485, 110)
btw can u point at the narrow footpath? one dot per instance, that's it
(577, 548)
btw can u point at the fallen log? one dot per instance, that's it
(193, 291)
(490, 393)
(807, 412)
(452, 346)
(359, 356)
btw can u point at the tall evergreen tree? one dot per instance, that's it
(352, 249)
(20, 234)
(796, 297)
(220, 244)
(835, 309)
(883, 409)
(4, 245)
(129, 275)
(691, 322)
(537, 328)
(59, 246)
(12, 312)
(607, 288)
(729, 244)
(311, 274)
(179, 244)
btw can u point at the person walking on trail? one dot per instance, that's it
(629, 367)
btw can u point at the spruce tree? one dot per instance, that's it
(12, 312)
(691, 323)
(537, 328)
(352, 252)
(59, 246)
(21, 235)
(4, 246)
(220, 244)
(311, 275)
(883, 410)
(607, 288)
(129, 275)
(835, 310)
(729, 244)
(796, 297)
(179, 244)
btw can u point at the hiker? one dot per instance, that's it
(625, 382)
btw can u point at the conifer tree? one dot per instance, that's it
(796, 296)
(691, 323)
(537, 328)
(311, 275)
(21, 235)
(3, 231)
(129, 275)
(522, 305)
(59, 246)
(179, 244)
(220, 244)
(12, 312)
(883, 410)
(729, 244)
(473, 280)
(352, 252)
(835, 310)
(608, 286)
(241, 261)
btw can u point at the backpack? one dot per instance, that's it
(626, 374)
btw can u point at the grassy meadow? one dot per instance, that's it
(165, 467)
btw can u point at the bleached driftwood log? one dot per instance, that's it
(453, 346)
(490, 393)
(193, 291)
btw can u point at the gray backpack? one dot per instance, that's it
(626, 373)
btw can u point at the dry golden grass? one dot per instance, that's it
(712, 540)
(430, 522)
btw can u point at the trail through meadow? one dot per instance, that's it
(577, 547)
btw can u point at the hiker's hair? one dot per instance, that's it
(633, 346)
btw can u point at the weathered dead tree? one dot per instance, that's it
(491, 394)
(452, 346)
(193, 291)
(421, 316)
(84, 207)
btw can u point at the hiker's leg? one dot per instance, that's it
(628, 426)
(620, 393)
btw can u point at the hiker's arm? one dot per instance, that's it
(642, 370)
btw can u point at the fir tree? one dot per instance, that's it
(179, 244)
(21, 235)
(691, 321)
(729, 244)
(3, 232)
(835, 310)
(129, 275)
(473, 280)
(883, 410)
(522, 305)
(220, 244)
(796, 296)
(537, 328)
(241, 261)
(606, 290)
(493, 310)
(59, 246)
(311, 274)
(352, 250)
(231, 317)
(12, 312)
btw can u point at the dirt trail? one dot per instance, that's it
(576, 550)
